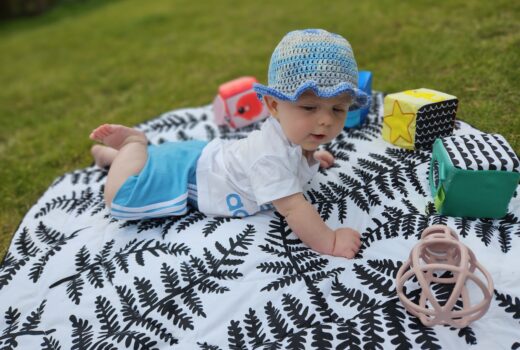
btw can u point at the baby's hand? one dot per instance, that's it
(347, 242)
(325, 158)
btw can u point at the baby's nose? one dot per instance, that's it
(326, 118)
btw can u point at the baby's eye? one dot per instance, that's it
(339, 110)
(308, 108)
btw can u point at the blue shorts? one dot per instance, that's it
(164, 185)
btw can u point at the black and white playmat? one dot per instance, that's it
(76, 279)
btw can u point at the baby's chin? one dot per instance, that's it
(311, 143)
(310, 147)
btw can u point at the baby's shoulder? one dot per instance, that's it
(270, 146)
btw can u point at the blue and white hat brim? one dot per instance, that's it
(360, 98)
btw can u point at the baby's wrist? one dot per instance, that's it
(331, 241)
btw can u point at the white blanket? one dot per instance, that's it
(76, 279)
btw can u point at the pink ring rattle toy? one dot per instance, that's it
(440, 250)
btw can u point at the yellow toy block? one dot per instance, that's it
(413, 119)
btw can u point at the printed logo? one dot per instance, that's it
(235, 205)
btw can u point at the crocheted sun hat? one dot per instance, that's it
(313, 59)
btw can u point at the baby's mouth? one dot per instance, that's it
(317, 137)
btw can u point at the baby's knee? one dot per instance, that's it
(94, 150)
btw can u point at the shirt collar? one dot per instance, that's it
(294, 147)
(278, 128)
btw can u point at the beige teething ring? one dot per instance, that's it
(440, 249)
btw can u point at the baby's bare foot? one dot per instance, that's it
(103, 155)
(116, 136)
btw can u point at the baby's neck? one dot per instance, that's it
(309, 155)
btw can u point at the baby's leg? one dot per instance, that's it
(131, 146)
(103, 155)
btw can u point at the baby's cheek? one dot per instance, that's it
(337, 129)
(302, 129)
(295, 136)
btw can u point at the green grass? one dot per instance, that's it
(97, 61)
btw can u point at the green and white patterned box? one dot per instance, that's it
(473, 175)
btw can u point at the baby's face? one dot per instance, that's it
(312, 120)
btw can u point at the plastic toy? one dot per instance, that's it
(237, 105)
(413, 119)
(357, 117)
(440, 258)
(473, 175)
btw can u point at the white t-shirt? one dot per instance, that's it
(242, 177)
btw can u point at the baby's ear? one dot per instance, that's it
(271, 103)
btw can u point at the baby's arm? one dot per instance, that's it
(307, 224)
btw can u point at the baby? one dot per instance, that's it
(312, 84)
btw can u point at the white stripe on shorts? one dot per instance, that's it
(176, 201)
(174, 210)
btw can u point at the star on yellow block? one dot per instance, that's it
(430, 96)
(399, 122)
